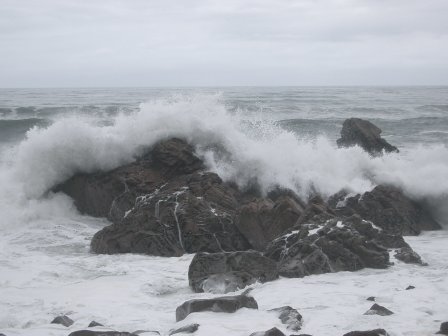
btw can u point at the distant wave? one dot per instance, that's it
(13, 129)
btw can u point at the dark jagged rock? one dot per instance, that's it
(371, 298)
(410, 287)
(262, 220)
(190, 213)
(64, 320)
(388, 208)
(189, 329)
(94, 324)
(227, 272)
(375, 332)
(271, 332)
(408, 256)
(175, 157)
(443, 329)
(335, 245)
(376, 309)
(363, 133)
(289, 316)
(100, 333)
(225, 304)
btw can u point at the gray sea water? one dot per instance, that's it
(407, 115)
(274, 136)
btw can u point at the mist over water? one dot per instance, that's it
(268, 136)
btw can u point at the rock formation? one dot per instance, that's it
(363, 133)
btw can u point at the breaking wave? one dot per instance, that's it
(239, 148)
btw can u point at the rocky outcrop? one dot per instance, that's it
(375, 332)
(225, 304)
(359, 132)
(335, 245)
(388, 208)
(63, 320)
(228, 272)
(376, 309)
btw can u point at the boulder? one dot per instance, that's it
(410, 287)
(388, 208)
(443, 329)
(64, 320)
(375, 332)
(94, 324)
(359, 132)
(371, 298)
(408, 256)
(348, 244)
(289, 316)
(376, 309)
(226, 272)
(100, 333)
(225, 304)
(188, 329)
(271, 332)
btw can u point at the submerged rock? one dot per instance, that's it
(225, 304)
(375, 332)
(363, 133)
(289, 316)
(271, 332)
(227, 272)
(376, 309)
(335, 245)
(64, 320)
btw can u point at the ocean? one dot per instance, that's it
(279, 136)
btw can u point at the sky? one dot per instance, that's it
(91, 43)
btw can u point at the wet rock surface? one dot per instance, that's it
(227, 272)
(100, 333)
(443, 328)
(331, 246)
(63, 320)
(271, 332)
(188, 329)
(409, 256)
(375, 332)
(376, 309)
(224, 304)
(290, 317)
(359, 132)
(388, 208)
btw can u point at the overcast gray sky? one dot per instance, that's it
(52, 43)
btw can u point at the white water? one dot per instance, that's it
(46, 269)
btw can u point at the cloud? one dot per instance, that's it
(233, 42)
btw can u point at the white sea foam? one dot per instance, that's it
(238, 148)
(46, 269)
